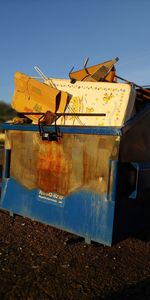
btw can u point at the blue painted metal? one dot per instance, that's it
(83, 213)
(115, 131)
(113, 167)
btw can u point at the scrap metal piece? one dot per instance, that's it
(101, 72)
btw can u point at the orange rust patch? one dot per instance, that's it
(53, 169)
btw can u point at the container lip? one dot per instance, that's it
(98, 130)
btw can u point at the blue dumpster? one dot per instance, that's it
(92, 181)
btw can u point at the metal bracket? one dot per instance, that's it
(134, 193)
(49, 136)
(71, 79)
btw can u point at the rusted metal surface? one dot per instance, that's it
(53, 167)
(75, 162)
(23, 157)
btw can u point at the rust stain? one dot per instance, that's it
(53, 168)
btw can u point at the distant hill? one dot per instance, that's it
(6, 112)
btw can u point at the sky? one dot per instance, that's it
(59, 34)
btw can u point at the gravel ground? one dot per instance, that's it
(41, 262)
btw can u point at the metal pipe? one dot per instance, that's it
(66, 114)
(121, 78)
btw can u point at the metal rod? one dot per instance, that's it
(86, 62)
(39, 71)
(66, 114)
(146, 90)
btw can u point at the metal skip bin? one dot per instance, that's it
(88, 181)
(68, 184)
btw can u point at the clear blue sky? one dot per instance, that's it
(57, 34)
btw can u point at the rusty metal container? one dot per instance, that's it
(90, 180)
(93, 181)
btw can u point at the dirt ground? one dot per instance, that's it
(41, 262)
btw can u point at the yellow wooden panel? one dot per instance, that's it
(116, 100)
(31, 95)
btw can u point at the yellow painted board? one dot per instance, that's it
(116, 100)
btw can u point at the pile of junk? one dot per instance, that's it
(78, 156)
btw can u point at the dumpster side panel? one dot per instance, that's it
(133, 186)
(75, 162)
(70, 184)
(135, 142)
